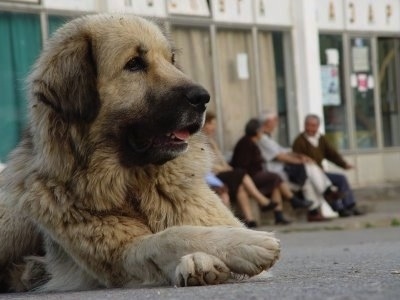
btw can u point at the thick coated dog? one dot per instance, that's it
(106, 187)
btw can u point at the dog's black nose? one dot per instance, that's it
(197, 96)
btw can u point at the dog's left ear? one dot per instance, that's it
(65, 78)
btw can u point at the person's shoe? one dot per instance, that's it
(282, 222)
(344, 213)
(269, 206)
(300, 203)
(356, 212)
(316, 217)
(331, 195)
(250, 224)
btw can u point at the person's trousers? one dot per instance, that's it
(340, 181)
(318, 178)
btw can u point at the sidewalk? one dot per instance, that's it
(381, 204)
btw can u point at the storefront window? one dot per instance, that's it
(333, 100)
(56, 22)
(20, 40)
(237, 79)
(389, 87)
(280, 80)
(362, 84)
(194, 56)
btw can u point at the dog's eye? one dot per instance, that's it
(135, 64)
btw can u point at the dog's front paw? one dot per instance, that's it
(250, 252)
(200, 269)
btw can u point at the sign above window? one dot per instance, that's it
(151, 8)
(74, 5)
(188, 7)
(233, 11)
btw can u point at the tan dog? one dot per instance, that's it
(110, 172)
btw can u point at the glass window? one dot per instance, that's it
(56, 22)
(333, 99)
(362, 83)
(389, 87)
(20, 39)
(279, 79)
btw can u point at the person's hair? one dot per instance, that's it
(267, 115)
(210, 116)
(252, 127)
(312, 116)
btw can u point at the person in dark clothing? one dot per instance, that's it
(240, 185)
(316, 146)
(247, 156)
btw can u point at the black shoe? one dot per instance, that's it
(250, 224)
(344, 213)
(331, 195)
(282, 222)
(356, 212)
(300, 203)
(269, 206)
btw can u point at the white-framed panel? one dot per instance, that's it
(191, 7)
(272, 12)
(330, 14)
(372, 15)
(151, 8)
(388, 15)
(232, 11)
(75, 5)
(25, 1)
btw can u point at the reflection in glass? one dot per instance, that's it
(362, 82)
(334, 102)
(389, 79)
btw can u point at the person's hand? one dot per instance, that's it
(348, 166)
(306, 159)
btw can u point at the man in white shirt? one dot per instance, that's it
(298, 169)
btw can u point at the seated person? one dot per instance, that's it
(247, 156)
(240, 185)
(315, 145)
(219, 188)
(298, 169)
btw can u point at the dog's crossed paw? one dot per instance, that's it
(259, 252)
(200, 268)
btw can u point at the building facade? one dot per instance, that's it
(339, 59)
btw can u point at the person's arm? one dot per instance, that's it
(299, 148)
(333, 155)
(288, 158)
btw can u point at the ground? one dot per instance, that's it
(322, 264)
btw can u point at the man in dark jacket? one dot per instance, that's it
(315, 145)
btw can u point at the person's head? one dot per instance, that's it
(269, 121)
(311, 124)
(210, 124)
(253, 128)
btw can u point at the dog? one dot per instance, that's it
(106, 188)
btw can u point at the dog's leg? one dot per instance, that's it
(195, 255)
(19, 237)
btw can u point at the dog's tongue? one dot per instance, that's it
(182, 134)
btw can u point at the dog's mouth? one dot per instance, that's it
(175, 141)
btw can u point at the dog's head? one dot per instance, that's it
(116, 76)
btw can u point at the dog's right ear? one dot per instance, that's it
(65, 77)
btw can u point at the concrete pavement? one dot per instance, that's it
(381, 204)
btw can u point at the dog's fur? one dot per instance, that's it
(97, 186)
